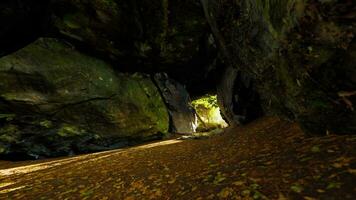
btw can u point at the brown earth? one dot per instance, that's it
(268, 159)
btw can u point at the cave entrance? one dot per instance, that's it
(208, 113)
(238, 97)
(246, 105)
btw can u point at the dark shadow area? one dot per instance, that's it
(246, 100)
(22, 22)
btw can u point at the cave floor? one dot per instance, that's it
(268, 159)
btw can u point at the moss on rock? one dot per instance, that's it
(53, 88)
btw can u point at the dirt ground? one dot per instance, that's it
(268, 159)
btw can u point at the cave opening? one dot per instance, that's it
(208, 113)
(246, 104)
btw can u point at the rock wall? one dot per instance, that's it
(55, 100)
(143, 35)
(178, 102)
(162, 31)
(300, 54)
(290, 58)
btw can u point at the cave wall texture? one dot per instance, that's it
(290, 58)
(300, 55)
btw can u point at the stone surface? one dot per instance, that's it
(300, 56)
(57, 101)
(169, 33)
(178, 102)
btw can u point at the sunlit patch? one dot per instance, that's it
(11, 189)
(2, 185)
(168, 142)
(208, 113)
(32, 168)
(78, 160)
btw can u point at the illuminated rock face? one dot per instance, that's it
(55, 101)
(177, 99)
(208, 113)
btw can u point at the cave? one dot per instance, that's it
(189, 99)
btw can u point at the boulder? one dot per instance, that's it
(56, 101)
(238, 99)
(178, 102)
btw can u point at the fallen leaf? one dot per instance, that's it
(297, 188)
(226, 192)
(238, 183)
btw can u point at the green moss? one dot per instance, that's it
(87, 93)
(9, 134)
(147, 112)
(8, 138)
(2, 149)
(46, 124)
(9, 129)
(69, 131)
(7, 117)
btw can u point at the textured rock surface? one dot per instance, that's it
(55, 100)
(301, 55)
(292, 58)
(170, 33)
(178, 102)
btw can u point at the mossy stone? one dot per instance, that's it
(56, 92)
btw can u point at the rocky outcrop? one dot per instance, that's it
(138, 32)
(292, 58)
(299, 54)
(142, 35)
(178, 102)
(55, 101)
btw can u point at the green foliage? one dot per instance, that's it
(208, 101)
(209, 113)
